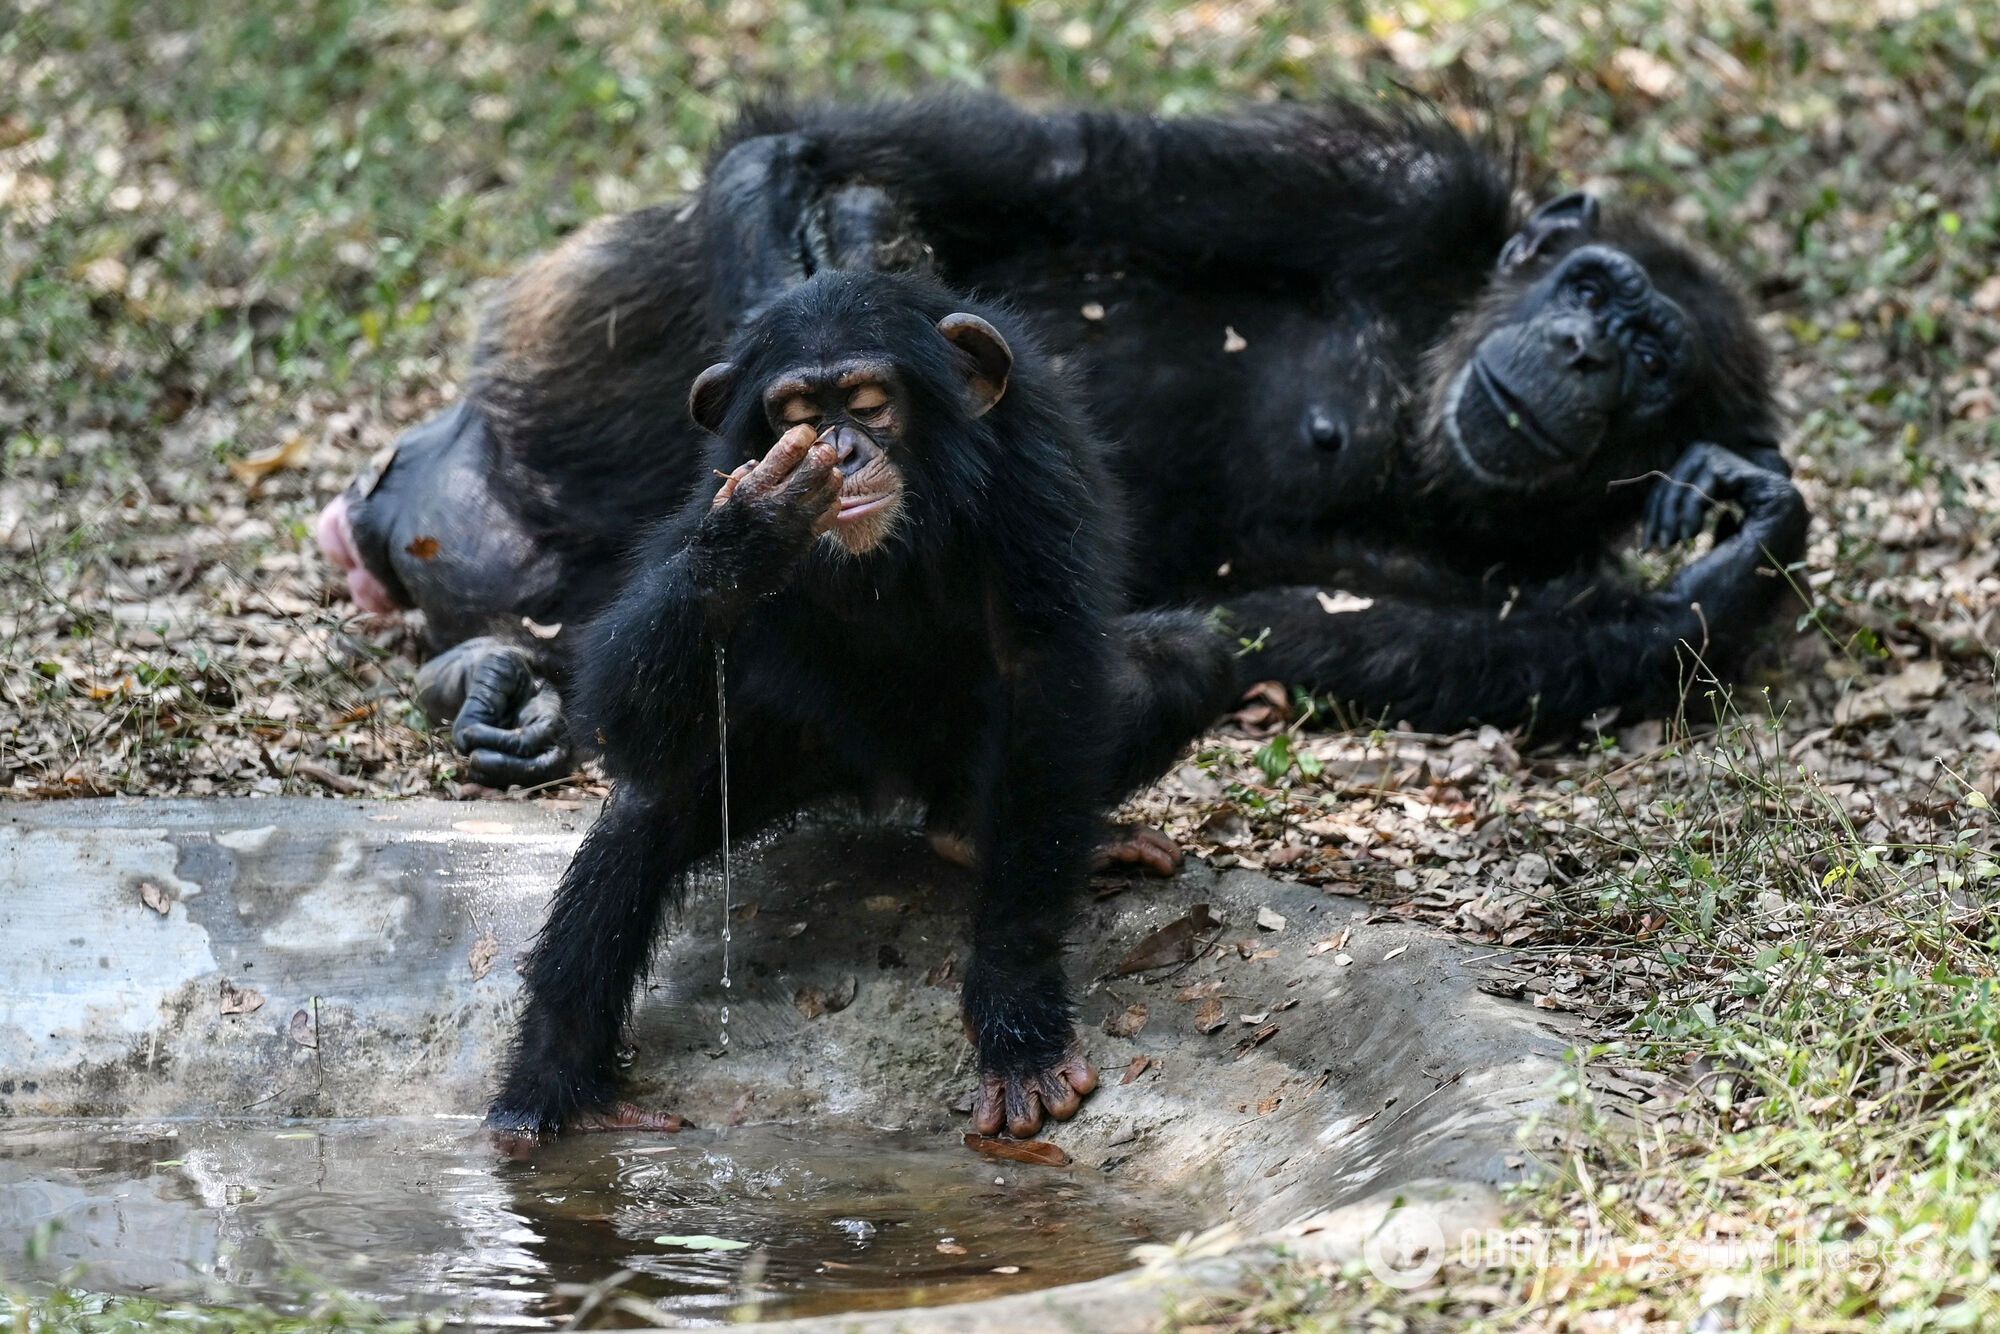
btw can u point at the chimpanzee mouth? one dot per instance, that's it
(853, 508)
(1514, 411)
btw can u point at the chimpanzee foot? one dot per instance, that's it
(629, 1116)
(1019, 1101)
(1137, 845)
(505, 720)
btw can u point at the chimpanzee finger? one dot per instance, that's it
(531, 737)
(818, 482)
(731, 482)
(780, 460)
(1024, 1108)
(498, 769)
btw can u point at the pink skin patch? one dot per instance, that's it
(335, 531)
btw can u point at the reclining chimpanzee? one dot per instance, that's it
(1392, 426)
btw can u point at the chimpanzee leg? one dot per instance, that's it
(506, 718)
(600, 931)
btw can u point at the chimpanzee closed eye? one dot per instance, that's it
(914, 587)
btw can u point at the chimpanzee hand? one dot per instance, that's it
(505, 720)
(1703, 477)
(766, 515)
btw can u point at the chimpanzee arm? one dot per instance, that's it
(1315, 189)
(1559, 653)
(1044, 787)
(645, 683)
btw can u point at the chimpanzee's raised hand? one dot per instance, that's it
(765, 516)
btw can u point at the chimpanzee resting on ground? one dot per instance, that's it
(1335, 367)
(915, 586)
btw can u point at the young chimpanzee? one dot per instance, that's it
(913, 588)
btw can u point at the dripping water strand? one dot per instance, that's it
(722, 749)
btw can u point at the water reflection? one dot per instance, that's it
(420, 1215)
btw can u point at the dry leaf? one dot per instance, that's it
(1006, 1269)
(240, 1000)
(1139, 1066)
(1330, 944)
(1126, 1023)
(812, 1002)
(1037, 1151)
(254, 468)
(482, 826)
(1210, 1016)
(1200, 990)
(1172, 944)
(154, 897)
(303, 1030)
(1255, 1040)
(482, 954)
(1338, 603)
(1393, 953)
(950, 1248)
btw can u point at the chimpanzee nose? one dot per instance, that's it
(851, 448)
(1324, 429)
(1579, 344)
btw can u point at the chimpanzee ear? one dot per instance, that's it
(709, 399)
(991, 358)
(1572, 216)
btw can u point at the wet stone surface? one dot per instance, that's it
(419, 1215)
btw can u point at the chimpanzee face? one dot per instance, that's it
(870, 374)
(1578, 360)
(859, 407)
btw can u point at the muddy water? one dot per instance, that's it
(418, 1215)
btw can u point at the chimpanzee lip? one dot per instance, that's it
(855, 507)
(1514, 409)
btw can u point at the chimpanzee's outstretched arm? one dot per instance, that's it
(1559, 653)
(1311, 188)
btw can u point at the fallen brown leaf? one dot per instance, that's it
(1210, 1016)
(1139, 1066)
(1037, 1151)
(1172, 944)
(154, 897)
(482, 954)
(812, 1002)
(1125, 1023)
(303, 1030)
(240, 1000)
(254, 468)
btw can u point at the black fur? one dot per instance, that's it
(967, 660)
(1266, 315)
